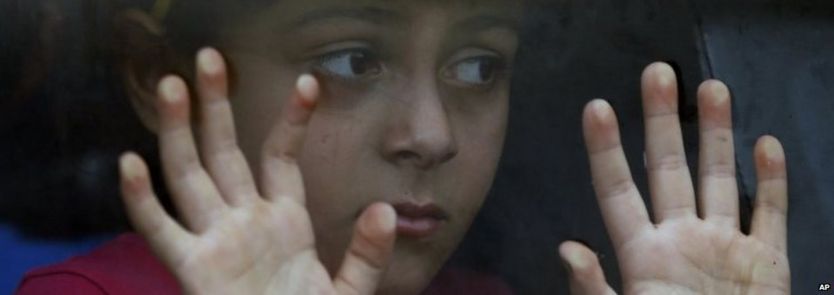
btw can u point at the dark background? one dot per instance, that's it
(62, 125)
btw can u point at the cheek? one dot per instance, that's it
(332, 152)
(258, 94)
(481, 145)
(474, 173)
(480, 134)
(328, 162)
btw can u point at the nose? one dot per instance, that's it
(419, 133)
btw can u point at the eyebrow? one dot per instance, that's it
(369, 14)
(486, 22)
(381, 16)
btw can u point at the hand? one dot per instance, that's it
(685, 251)
(236, 238)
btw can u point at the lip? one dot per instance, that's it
(419, 221)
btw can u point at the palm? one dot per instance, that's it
(272, 249)
(236, 237)
(688, 255)
(692, 243)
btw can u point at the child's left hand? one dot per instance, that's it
(688, 249)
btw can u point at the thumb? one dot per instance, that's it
(586, 276)
(369, 252)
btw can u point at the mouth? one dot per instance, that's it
(419, 221)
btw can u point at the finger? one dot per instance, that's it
(192, 189)
(585, 273)
(369, 251)
(771, 207)
(168, 239)
(224, 160)
(718, 194)
(669, 180)
(622, 208)
(281, 175)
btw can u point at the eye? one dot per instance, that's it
(480, 70)
(350, 64)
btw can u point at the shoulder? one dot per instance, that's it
(123, 266)
(464, 281)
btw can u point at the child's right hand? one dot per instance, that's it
(236, 238)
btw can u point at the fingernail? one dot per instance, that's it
(772, 149)
(389, 219)
(171, 90)
(208, 61)
(572, 260)
(601, 109)
(571, 255)
(308, 88)
(720, 93)
(575, 259)
(129, 166)
(382, 218)
(664, 74)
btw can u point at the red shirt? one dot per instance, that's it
(126, 266)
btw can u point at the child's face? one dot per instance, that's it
(414, 108)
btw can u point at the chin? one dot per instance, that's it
(411, 270)
(394, 284)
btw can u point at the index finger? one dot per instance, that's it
(281, 176)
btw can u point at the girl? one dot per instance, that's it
(344, 148)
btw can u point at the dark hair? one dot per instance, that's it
(66, 119)
(65, 112)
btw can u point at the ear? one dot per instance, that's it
(144, 56)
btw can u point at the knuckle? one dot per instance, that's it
(722, 170)
(278, 151)
(189, 168)
(368, 251)
(770, 205)
(617, 187)
(672, 162)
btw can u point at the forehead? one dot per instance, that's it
(390, 3)
(403, 10)
(253, 19)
